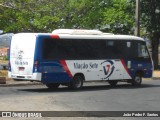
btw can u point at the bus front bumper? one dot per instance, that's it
(34, 76)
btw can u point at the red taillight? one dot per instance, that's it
(54, 36)
(36, 63)
(36, 66)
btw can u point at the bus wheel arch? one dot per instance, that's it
(80, 74)
(139, 72)
(77, 81)
(137, 80)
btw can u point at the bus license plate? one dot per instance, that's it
(21, 68)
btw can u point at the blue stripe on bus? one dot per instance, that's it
(144, 67)
(54, 72)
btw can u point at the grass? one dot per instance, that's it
(2, 61)
(3, 73)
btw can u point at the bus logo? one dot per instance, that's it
(108, 68)
(20, 55)
(19, 60)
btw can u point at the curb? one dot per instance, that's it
(156, 78)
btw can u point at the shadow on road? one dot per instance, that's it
(87, 88)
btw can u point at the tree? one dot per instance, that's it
(150, 20)
(116, 16)
(44, 16)
(30, 15)
(119, 16)
(84, 14)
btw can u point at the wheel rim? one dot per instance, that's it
(78, 83)
(137, 79)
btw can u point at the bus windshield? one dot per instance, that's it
(142, 51)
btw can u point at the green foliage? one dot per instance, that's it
(30, 15)
(150, 12)
(115, 16)
(47, 15)
(84, 14)
(150, 21)
(5, 58)
(119, 17)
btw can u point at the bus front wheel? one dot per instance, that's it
(137, 80)
(52, 86)
(77, 82)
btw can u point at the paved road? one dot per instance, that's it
(93, 97)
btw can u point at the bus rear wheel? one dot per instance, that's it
(77, 82)
(52, 86)
(113, 83)
(137, 80)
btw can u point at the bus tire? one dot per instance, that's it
(52, 86)
(77, 82)
(113, 83)
(137, 80)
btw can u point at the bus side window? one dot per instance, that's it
(142, 50)
(116, 49)
(111, 51)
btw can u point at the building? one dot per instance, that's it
(4, 51)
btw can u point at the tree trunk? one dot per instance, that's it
(155, 45)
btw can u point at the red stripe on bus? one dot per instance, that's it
(54, 36)
(65, 67)
(125, 66)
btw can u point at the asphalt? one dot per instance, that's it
(19, 83)
(10, 82)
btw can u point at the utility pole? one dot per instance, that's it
(137, 29)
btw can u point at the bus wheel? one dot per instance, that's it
(113, 83)
(52, 86)
(77, 82)
(137, 80)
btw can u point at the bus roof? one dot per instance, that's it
(91, 34)
(83, 34)
(99, 37)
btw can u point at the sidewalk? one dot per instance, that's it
(156, 76)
